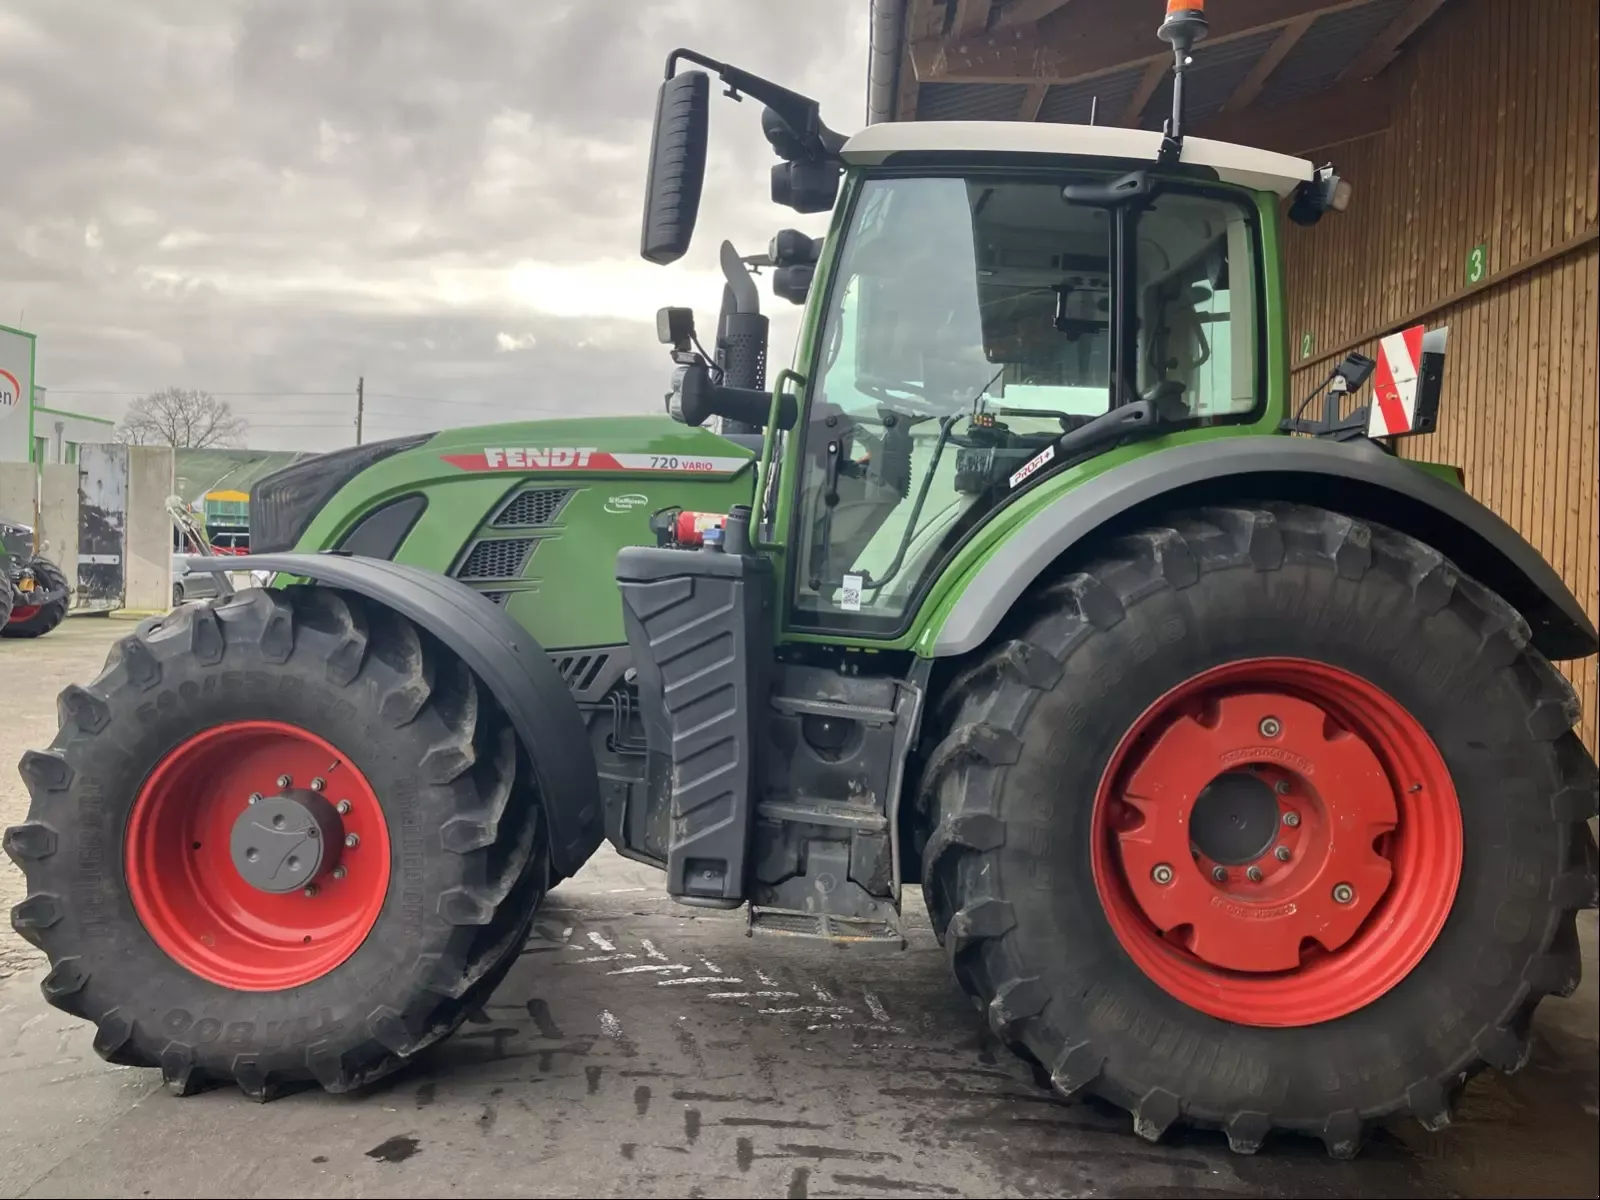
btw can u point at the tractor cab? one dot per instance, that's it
(996, 303)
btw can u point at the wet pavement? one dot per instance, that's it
(642, 1049)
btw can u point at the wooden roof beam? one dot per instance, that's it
(1347, 111)
(1250, 86)
(1148, 83)
(1380, 51)
(972, 18)
(1032, 101)
(1085, 38)
(1025, 12)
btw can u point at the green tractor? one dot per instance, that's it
(1224, 744)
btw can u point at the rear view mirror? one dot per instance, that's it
(677, 167)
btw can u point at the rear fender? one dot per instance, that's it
(1355, 478)
(501, 653)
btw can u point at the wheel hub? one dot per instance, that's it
(1278, 842)
(1201, 805)
(1235, 818)
(286, 841)
(244, 874)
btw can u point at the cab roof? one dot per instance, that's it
(1260, 170)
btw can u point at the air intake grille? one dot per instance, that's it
(502, 559)
(539, 506)
(495, 597)
(580, 670)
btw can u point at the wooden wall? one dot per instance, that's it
(1494, 143)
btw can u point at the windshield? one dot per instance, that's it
(970, 324)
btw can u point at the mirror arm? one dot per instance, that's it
(800, 113)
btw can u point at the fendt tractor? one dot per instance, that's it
(1223, 741)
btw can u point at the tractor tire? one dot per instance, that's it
(143, 887)
(6, 593)
(45, 617)
(1111, 863)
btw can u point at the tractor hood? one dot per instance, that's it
(530, 513)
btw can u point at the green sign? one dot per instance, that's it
(1307, 344)
(1477, 262)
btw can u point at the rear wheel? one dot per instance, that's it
(275, 842)
(1265, 819)
(5, 592)
(34, 620)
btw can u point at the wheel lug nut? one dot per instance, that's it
(1291, 819)
(311, 889)
(1281, 787)
(318, 784)
(1254, 874)
(1271, 727)
(1343, 893)
(1281, 854)
(255, 798)
(338, 872)
(1162, 873)
(284, 781)
(351, 840)
(1220, 874)
(343, 807)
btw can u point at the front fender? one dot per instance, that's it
(1355, 478)
(501, 653)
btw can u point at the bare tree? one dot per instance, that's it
(181, 417)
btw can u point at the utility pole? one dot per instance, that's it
(361, 404)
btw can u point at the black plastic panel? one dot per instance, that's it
(380, 532)
(699, 628)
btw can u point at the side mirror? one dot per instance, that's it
(677, 167)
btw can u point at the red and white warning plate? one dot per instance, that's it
(1394, 384)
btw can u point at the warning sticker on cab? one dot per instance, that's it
(588, 458)
(1032, 466)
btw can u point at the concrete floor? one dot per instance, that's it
(642, 1049)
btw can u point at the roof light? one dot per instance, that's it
(1185, 23)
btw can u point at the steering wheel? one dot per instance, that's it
(904, 399)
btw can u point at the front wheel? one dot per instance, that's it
(30, 620)
(1264, 819)
(280, 839)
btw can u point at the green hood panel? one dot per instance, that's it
(552, 560)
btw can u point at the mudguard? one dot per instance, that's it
(502, 654)
(1355, 478)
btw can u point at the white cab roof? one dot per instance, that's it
(1262, 170)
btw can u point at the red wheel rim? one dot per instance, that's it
(22, 613)
(196, 905)
(1293, 909)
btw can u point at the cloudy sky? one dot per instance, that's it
(276, 196)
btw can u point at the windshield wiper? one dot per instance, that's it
(1155, 413)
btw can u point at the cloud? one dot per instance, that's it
(276, 196)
